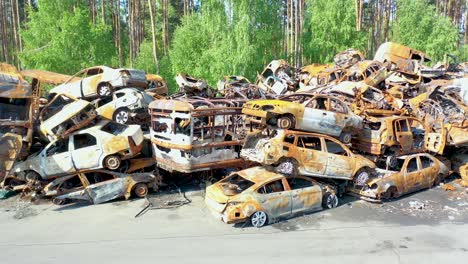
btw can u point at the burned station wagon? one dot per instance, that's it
(260, 196)
(100, 186)
(409, 174)
(310, 154)
(104, 145)
(308, 112)
(99, 81)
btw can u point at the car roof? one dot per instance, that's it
(259, 174)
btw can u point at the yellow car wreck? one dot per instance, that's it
(260, 196)
(308, 112)
(411, 173)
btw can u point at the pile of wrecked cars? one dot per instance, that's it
(294, 141)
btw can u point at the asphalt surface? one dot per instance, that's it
(426, 227)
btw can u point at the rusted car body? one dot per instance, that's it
(99, 81)
(401, 58)
(156, 85)
(191, 86)
(348, 58)
(393, 136)
(104, 145)
(410, 174)
(260, 196)
(276, 78)
(327, 76)
(460, 166)
(240, 87)
(443, 109)
(125, 106)
(307, 72)
(197, 134)
(295, 152)
(308, 112)
(64, 115)
(369, 72)
(100, 186)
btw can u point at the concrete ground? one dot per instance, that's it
(426, 227)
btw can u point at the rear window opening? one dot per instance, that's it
(114, 128)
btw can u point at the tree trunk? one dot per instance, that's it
(153, 34)
(103, 11)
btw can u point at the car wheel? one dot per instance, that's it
(285, 122)
(122, 116)
(361, 177)
(391, 161)
(288, 167)
(259, 219)
(104, 89)
(330, 200)
(345, 137)
(112, 162)
(141, 190)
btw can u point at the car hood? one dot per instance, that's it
(219, 193)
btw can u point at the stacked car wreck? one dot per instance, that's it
(295, 139)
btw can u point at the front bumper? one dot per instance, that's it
(366, 195)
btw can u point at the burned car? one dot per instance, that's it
(410, 174)
(392, 136)
(100, 186)
(294, 152)
(401, 58)
(240, 87)
(64, 115)
(369, 72)
(307, 72)
(326, 76)
(105, 145)
(308, 112)
(126, 106)
(99, 81)
(260, 197)
(191, 86)
(277, 78)
(197, 134)
(156, 85)
(348, 58)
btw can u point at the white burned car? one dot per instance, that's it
(99, 81)
(126, 106)
(104, 145)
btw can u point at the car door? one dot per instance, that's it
(429, 170)
(340, 163)
(106, 187)
(318, 119)
(74, 87)
(403, 134)
(313, 158)
(86, 151)
(435, 141)
(274, 198)
(56, 158)
(413, 175)
(90, 83)
(305, 194)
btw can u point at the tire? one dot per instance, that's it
(31, 176)
(112, 162)
(288, 167)
(141, 190)
(345, 137)
(391, 161)
(329, 201)
(361, 177)
(285, 122)
(259, 219)
(104, 89)
(122, 115)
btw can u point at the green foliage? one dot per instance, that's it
(60, 37)
(227, 38)
(418, 26)
(330, 27)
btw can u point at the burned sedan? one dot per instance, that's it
(100, 186)
(64, 115)
(99, 81)
(410, 174)
(308, 112)
(310, 154)
(260, 196)
(105, 145)
(126, 106)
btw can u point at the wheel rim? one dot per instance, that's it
(113, 162)
(284, 123)
(141, 190)
(346, 138)
(362, 178)
(104, 90)
(121, 117)
(259, 219)
(332, 201)
(286, 167)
